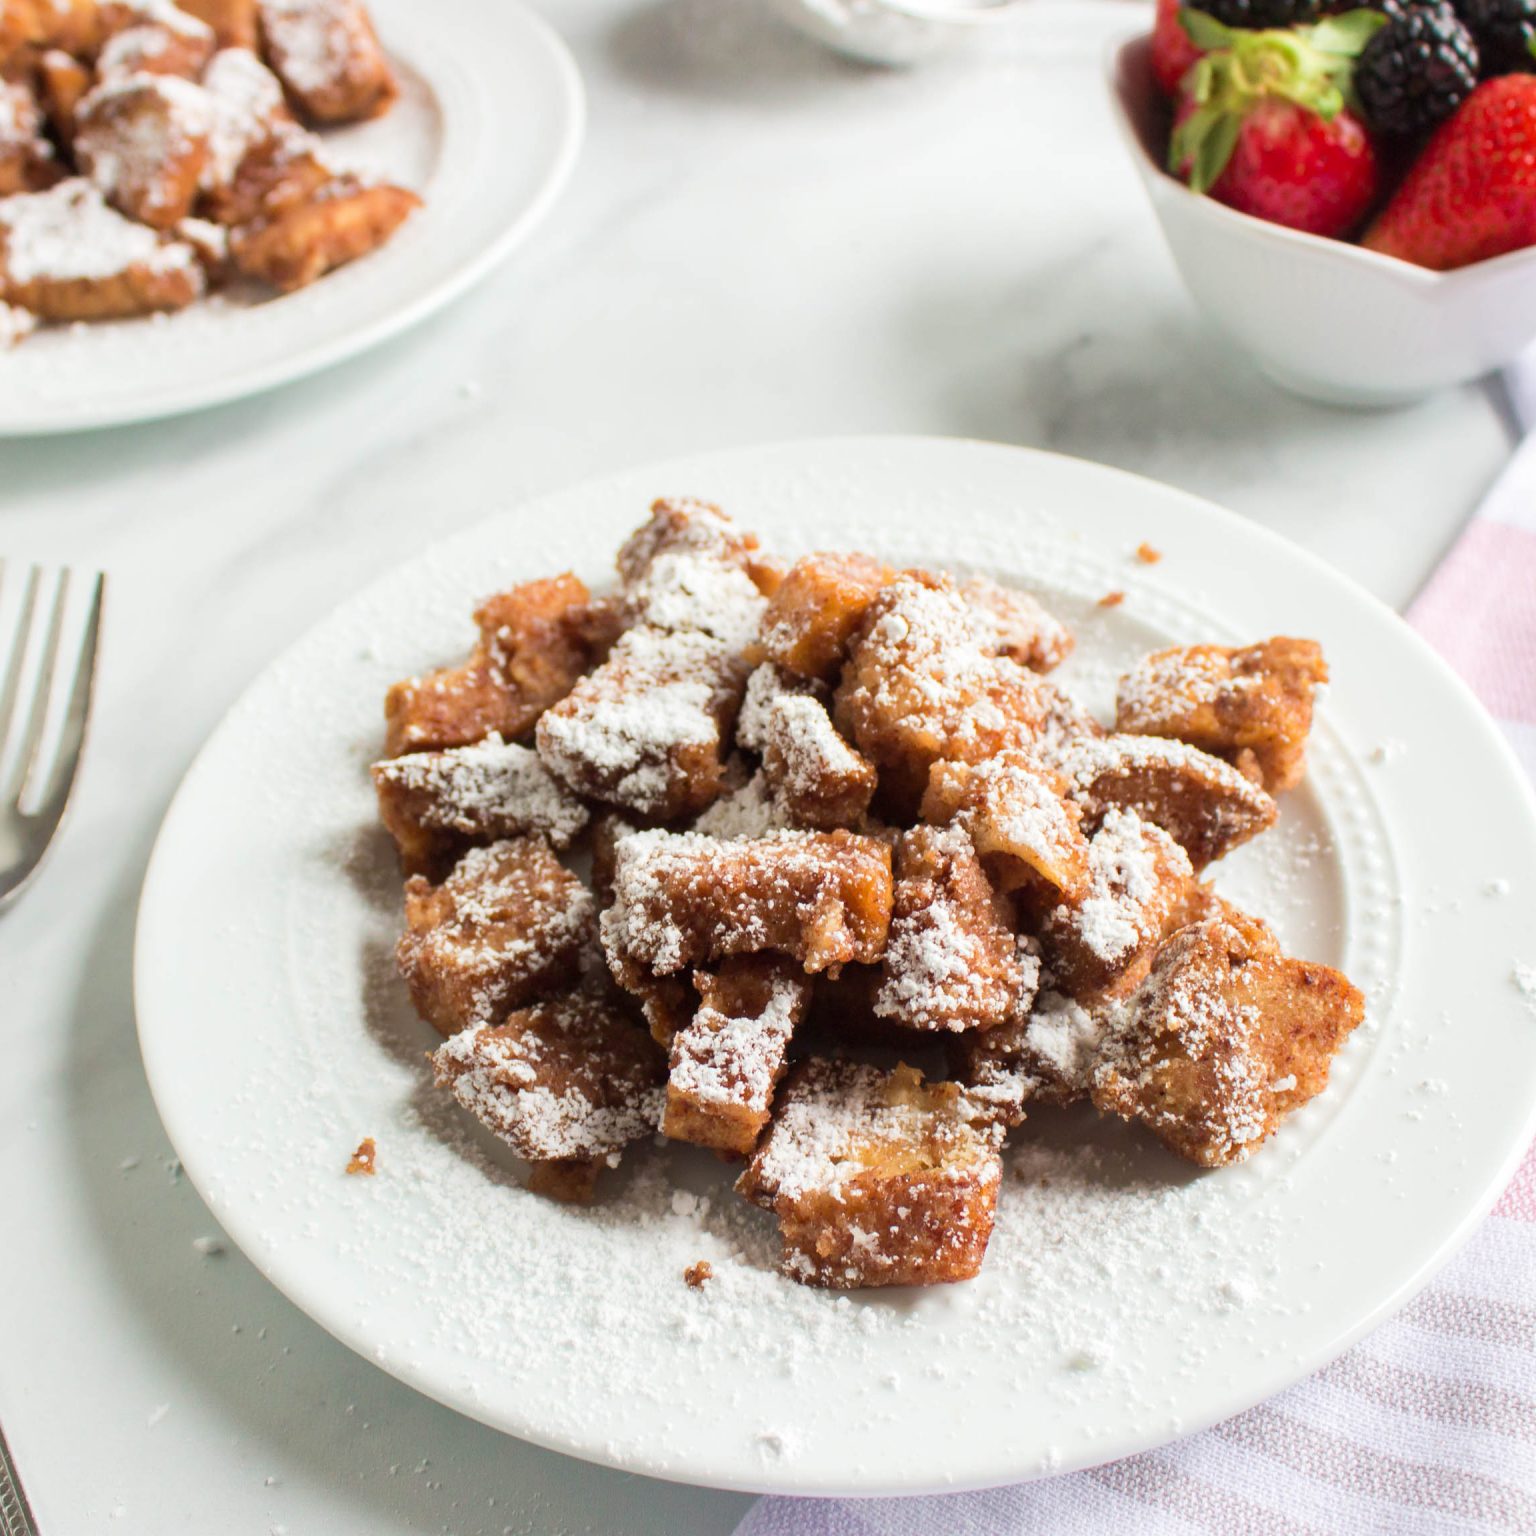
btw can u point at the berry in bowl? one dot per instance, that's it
(1350, 194)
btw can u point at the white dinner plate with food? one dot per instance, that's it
(1127, 1297)
(485, 130)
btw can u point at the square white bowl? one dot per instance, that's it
(1322, 317)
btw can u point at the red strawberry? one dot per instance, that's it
(1472, 192)
(1174, 51)
(1263, 126)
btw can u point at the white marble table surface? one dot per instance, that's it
(761, 242)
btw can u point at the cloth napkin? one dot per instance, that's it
(1429, 1425)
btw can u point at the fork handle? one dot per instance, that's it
(16, 1517)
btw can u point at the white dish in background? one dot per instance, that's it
(1128, 1300)
(896, 32)
(487, 130)
(1324, 318)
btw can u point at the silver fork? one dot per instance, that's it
(34, 794)
(15, 1513)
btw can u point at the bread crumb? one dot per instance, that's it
(363, 1160)
(696, 1274)
(1148, 554)
(1112, 599)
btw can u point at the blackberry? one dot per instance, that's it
(1503, 29)
(1261, 13)
(1417, 70)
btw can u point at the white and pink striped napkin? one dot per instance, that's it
(1429, 1425)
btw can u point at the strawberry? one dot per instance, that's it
(1264, 127)
(1174, 51)
(1472, 192)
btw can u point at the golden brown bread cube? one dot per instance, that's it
(151, 47)
(27, 161)
(815, 610)
(535, 641)
(567, 1083)
(727, 1061)
(73, 26)
(328, 57)
(144, 142)
(1027, 833)
(816, 778)
(647, 730)
(1100, 944)
(876, 1178)
(1019, 625)
(953, 960)
(680, 525)
(1043, 1055)
(1252, 706)
(433, 803)
(682, 899)
(1201, 801)
(232, 22)
(65, 255)
(345, 219)
(919, 686)
(1226, 1038)
(264, 164)
(63, 83)
(508, 925)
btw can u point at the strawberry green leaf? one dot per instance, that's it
(1205, 31)
(1348, 34)
(1530, 44)
(1214, 152)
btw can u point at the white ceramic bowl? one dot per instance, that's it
(895, 32)
(1322, 317)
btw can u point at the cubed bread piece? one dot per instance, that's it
(953, 960)
(683, 525)
(1019, 624)
(72, 26)
(344, 220)
(435, 802)
(153, 48)
(65, 255)
(536, 640)
(1226, 1037)
(1044, 1055)
(232, 22)
(817, 779)
(1202, 802)
(507, 926)
(567, 1083)
(327, 55)
(143, 141)
(876, 1178)
(682, 900)
(727, 1062)
(815, 611)
(27, 160)
(647, 730)
(1027, 833)
(63, 83)
(1252, 706)
(259, 160)
(1100, 944)
(920, 686)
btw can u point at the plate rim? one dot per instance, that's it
(1270, 1382)
(303, 362)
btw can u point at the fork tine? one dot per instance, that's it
(77, 713)
(12, 679)
(41, 688)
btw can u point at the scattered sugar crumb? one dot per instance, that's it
(775, 1444)
(1148, 554)
(364, 1160)
(1524, 977)
(1237, 1291)
(128, 1164)
(1112, 599)
(698, 1273)
(208, 1247)
(157, 1413)
(1388, 751)
(1498, 887)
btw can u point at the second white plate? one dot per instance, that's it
(1126, 1298)
(487, 130)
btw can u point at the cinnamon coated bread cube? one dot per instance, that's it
(815, 611)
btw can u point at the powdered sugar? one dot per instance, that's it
(69, 233)
(1125, 875)
(246, 99)
(313, 37)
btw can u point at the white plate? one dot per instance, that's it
(487, 130)
(1126, 1297)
